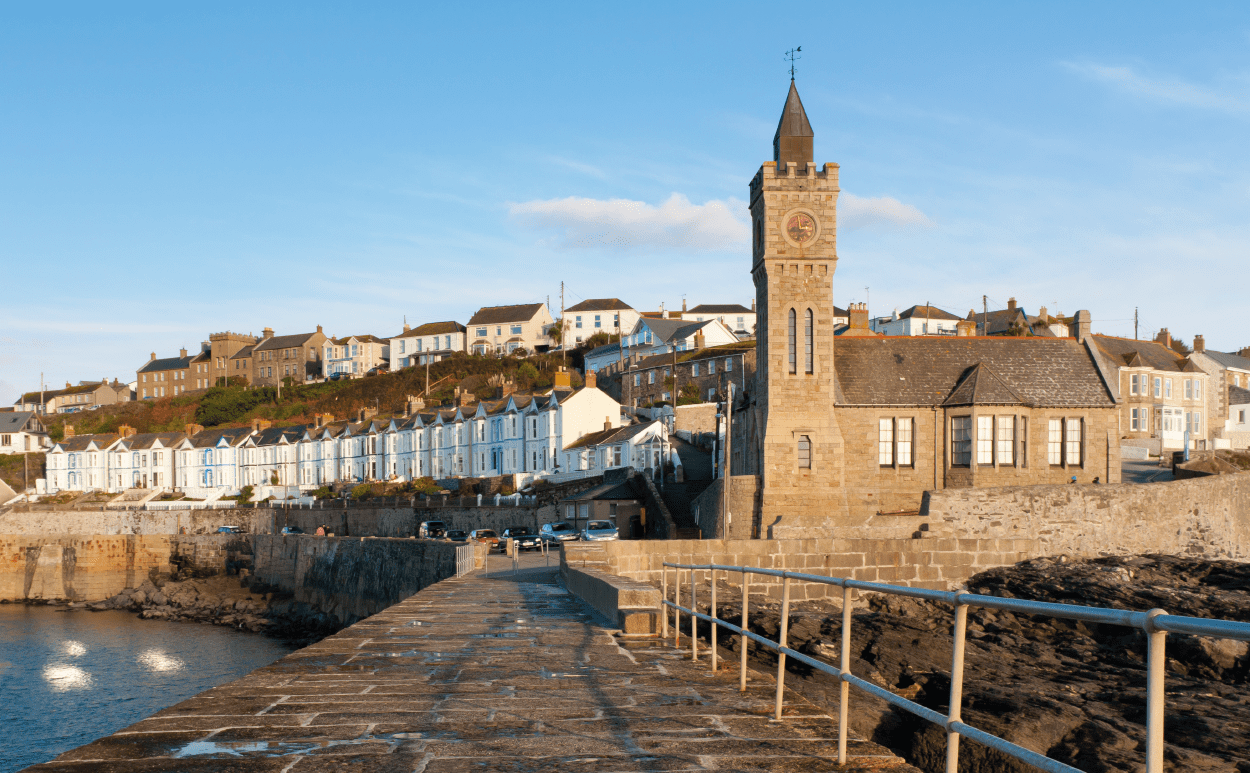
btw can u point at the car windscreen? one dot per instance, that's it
(560, 527)
(486, 533)
(596, 525)
(519, 531)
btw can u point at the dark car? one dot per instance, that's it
(457, 535)
(524, 536)
(292, 530)
(229, 530)
(432, 529)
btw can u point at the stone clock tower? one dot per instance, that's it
(794, 254)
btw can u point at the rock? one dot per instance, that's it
(158, 599)
(138, 598)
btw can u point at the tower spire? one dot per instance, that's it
(792, 144)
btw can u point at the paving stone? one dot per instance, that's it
(482, 674)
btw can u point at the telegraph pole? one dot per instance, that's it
(1134, 323)
(985, 314)
(564, 357)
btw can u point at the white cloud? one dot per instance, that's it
(1166, 90)
(621, 223)
(879, 211)
(717, 225)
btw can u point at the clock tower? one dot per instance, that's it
(794, 254)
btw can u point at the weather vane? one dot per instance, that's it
(792, 55)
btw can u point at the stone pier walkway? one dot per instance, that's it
(480, 674)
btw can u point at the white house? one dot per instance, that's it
(652, 336)
(355, 356)
(736, 317)
(641, 446)
(80, 463)
(917, 321)
(209, 462)
(143, 460)
(430, 342)
(599, 315)
(1237, 425)
(21, 432)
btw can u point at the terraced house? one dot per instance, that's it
(354, 356)
(274, 358)
(85, 396)
(169, 376)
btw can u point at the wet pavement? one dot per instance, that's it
(483, 673)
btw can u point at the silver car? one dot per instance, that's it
(599, 531)
(561, 531)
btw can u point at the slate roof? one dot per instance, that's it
(923, 370)
(273, 435)
(1229, 360)
(600, 304)
(837, 312)
(926, 312)
(148, 439)
(728, 308)
(209, 437)
(167, 363)
(433, 328)
(364, 339)
(982, 386)
(999, 322)
(15, 421)
(605, 350)
(1238, 396)
(498, 315)
(672, 329)
(1127, 352)
(614, 435)
(243, 353)
(284, 342)
(603, 491)
(80, 442)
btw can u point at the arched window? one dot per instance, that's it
(807, 341)
(792, 342)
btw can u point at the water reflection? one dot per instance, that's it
(63, 677)
(158, 660)
(73, 649)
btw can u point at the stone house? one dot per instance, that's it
(503, 329)
(167, 377)
(599, 315)
(275, 358)
(1011, 321)
(1227, 372)
(643, 381)
(21, 433)
(918, 321)
(1161, 393)
(738, 318)
(354, 356)
(615, 502)
(430, 342)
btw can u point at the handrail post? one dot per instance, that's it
(781, 656)
(715, 619)
(676, 610)
(694, 622)
(746, 601)
(844, 694)
(957, 686)
(663, 609)
(1156, 671)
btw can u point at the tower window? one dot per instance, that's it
(792, 342)
(807, 341)
(805, 450)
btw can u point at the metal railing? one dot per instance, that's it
(1156, 624)
(464, 560)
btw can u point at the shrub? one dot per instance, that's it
(363, 491)
(323, 493)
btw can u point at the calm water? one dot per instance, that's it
(67, 678)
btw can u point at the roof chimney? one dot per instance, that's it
(182, 353)
(965, 328)
(859, 316)
(607, 423)
(407, 327)
(561, 379)
(1199, 344)
(193, 429)
(68, 385)
(318, 329)
(1011, 304)
(683, 305)
(1042, 315)
(592, 381)
(752, 305)
(663, 313)
(1164, 337)
(1081, 321)
(268, 333)
(699, 341)
(69, 431)
(125, 430)
(153, 357)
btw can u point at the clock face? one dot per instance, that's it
(800, 227)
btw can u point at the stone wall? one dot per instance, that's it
(709, 513)
(1207, 517)
(50, 521)
(352, 578)
(82, 568)
(697, 418)
(922, 563)
(403, 521)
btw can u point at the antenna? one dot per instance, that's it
(791, 56)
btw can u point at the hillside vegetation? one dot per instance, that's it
(237, 406)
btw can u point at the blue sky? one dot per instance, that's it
(172, 170)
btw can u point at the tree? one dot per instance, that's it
(556, 331)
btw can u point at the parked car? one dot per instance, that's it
(599, 531)
(457, 535)
(525, 538)
(561, 531)
(431, 529)
(292, 530)
(484, 535)
(229, 530)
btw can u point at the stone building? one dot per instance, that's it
(275, 358)
(85, 396)
(169, 376)
(639, 382)
(841, 429)
(222, 348)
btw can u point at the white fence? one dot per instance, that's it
(464, 560)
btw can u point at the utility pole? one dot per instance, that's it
(427, 375)
(727, 514)
(564, 357)
(985, 314)
(1134, 323)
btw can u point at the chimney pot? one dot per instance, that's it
(592, 381)
(965, 328)
(182, 353)
(683, 305)
(1011, 304)
(153, 357)
(318, 329)
(268, 333)
(607, 423)
(1199, 344)
(69, 430)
